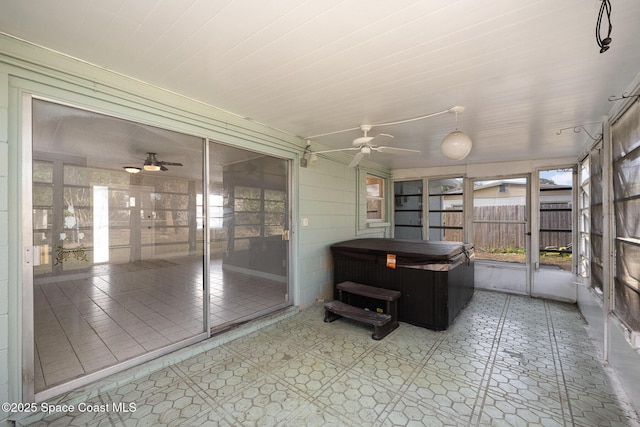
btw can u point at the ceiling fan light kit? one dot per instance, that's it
(151, 164)
(457, 145)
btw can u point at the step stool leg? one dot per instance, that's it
(380, 332)
(330, 316)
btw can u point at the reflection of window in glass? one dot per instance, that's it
(43, 238)
(555, 210)
(247, 212)
(446, 209)
(100, 223)
(258, 212)
(274, 212)
(215, 211)
(375, 198)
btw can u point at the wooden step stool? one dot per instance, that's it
(383, 323)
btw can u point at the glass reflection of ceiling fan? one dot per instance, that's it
(152, 164)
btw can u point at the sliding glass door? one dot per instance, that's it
(248, 227)
(117, 244)
(121, 269)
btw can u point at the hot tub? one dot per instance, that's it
(435, 278)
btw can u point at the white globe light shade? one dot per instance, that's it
(456, 145)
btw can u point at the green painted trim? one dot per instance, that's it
(50, 72)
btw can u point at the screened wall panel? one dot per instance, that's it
(584, 221)
(595, 189)
(408, 209)
(626, 195)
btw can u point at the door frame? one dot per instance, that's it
(500, 267)
(564, 282)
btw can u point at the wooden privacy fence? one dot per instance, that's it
(502, 227)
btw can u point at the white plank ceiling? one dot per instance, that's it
(523, 69)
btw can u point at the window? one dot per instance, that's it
(442, 218)
(375, 198)
(596, 227)
(584, 221)
(408, 209)
(446, 204)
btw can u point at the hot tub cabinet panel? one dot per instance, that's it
(435, 278)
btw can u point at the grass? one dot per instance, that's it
(563, 261)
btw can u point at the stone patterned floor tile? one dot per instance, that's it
(411, 343)
(344, 350)
(168, 406)
(267, 402)
(225, 378)
(138, 390)
(458, 364)
(356, 398)
(595, 408)
(405, 411)
(214, 417)
(312, 415)
(204, 360)
(309, 374)
(541, 393)
(451, 395)
(385, 368)
(501, 410)
(506, 361)
(270, 357)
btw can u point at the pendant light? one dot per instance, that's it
(456, 145)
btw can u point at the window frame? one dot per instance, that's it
(382, 199)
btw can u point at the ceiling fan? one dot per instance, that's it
(363, 145)
(152, 164)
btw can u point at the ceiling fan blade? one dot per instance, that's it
(386, 135)
(356, 160)
(170, 163)
(394, 150)
(163, 168)
(337, 149)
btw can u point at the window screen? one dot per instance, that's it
(626, 195)
(595, 189)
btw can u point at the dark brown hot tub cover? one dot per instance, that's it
(409, 253)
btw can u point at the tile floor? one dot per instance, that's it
(506, 361)
(123, 311)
